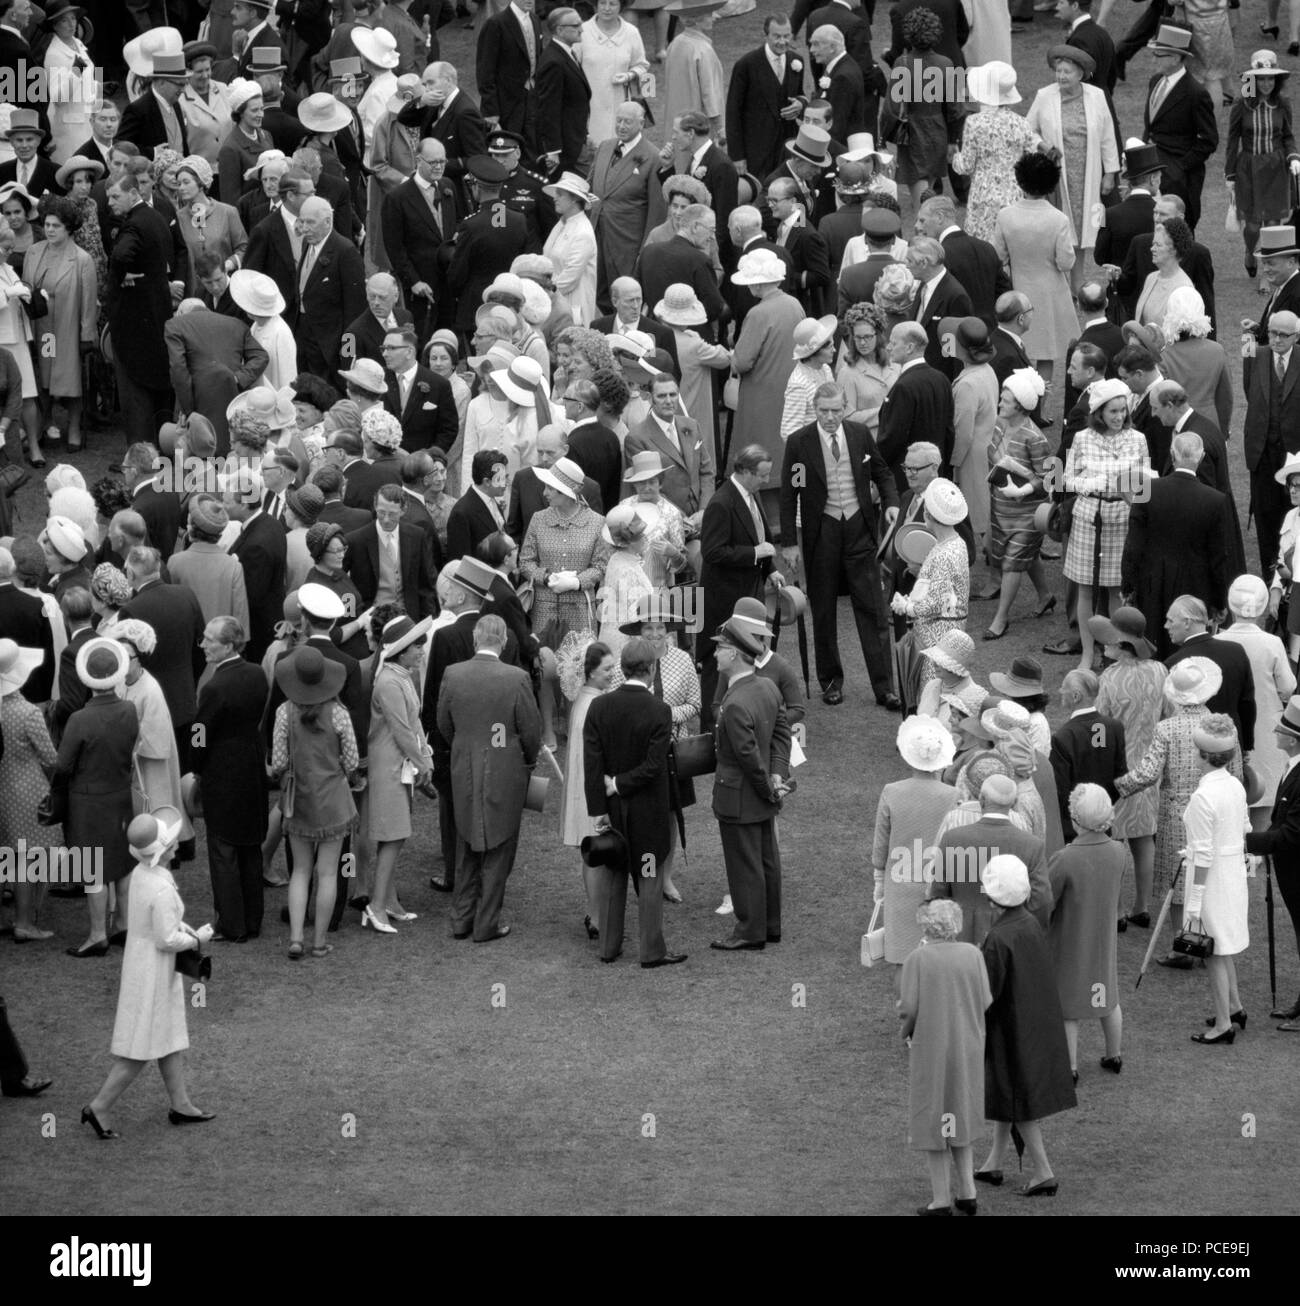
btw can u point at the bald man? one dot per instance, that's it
(1188, 624)
(331, 282)
(1272, 428)
(364, 336)
(846, 88)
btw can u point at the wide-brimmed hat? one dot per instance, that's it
(16, 665)
(971, 333)
(367, 375)
(1171, 40)
(1124, 626)
(657, 607)
(812, 334)
(1263, 63)
(307, 677)
(1193, 680)
(376, 45)
(1248, 597)
(122, 664)
(1024, 680)
(646, 465)
(321, 602)
(572, 184)
(859, 147)
(139, 53)
(739, 635)
(15, 190)
(1075, 55)
(1140, 159)
(944, 502)
(24, 120)
(78, 163)
(752, 613)
(266, 157)
(500, 354)
(1275, 241)
(521, 382)
(623, 525)
(924, 744)
(321, 112)
(1006, 880)
(812, 145)
(681, 307)
(1004, 718)
(1289, 722)
(274, 407)
(761, 268)
(65, 538)
(564, 475)
(912, 541)
(401, 632)
(1215, 734)
(256, 293)
(992, 83)
(953, 652)
(57, 9)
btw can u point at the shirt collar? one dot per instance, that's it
(831, 63)
(1082, 711)
(946, 232)
(629, 146)
(700, 153)
(1095, 321)
(670, 427)
(1082, 18)
(911, 362)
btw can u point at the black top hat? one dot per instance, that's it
(1141, 159)
(608, 850)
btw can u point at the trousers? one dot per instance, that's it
(481, 887)
(650, 911)
(753, 861)
(236, 874)
(13, 1065)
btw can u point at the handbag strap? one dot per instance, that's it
(875, 916)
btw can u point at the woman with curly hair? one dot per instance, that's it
(925, 127)
(207, 225)
(162, 172)
(864, 371)
(1171, 243)
(1035, 243)
(679, 192)
(894, 295)
(588, 353)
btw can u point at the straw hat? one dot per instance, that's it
(16, 665)
(256, 293)
(321, 112)
(924, 744)
(944, 502)
(121, 661)
(645, 467)
(812, 334)
(307, 677)
(78, 163)
(169, 66)
(139, 53)
(1171, 40)
(1192, 681)
(1004, 718)
(623, 525)
(1274, 241)
(401, 632)
(681, 307)
(572, 184)
(367, 375)
(274, 407)
(1264, 64)
(992, 83)
(563, 475)
(1006, 880)
(1124, 626)
(953, 652)
(1290, 721)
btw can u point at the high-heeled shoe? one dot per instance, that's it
(1238, 1018)
(990, 633)
(1293, 48)
(967, 1205)
(1226, 1037)
(99, 949)
(1043, 1188)
(88, 1117)
(182, 1118)
(991, 1177)
(369, 918)
(402, 915)
(593, 931)
(934, 1210)
(1049, 606)
(1113, 1064)
(1271, 32)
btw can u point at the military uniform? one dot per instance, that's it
(522, 190)
(485, 245)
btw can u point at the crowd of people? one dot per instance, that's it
(471, 443)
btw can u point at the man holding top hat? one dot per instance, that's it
(625, 741)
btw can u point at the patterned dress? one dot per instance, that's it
(797, 410)
(1098, 468)
(1259, 145)
(1132, 692)
(992, 140)
(555, 544)
(1014, 541)
(626, 583)
(940, 598)
(91, 239)
(28, 749)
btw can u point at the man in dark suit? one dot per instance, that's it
(261, 551)
(35, 173)
(364, 335)
(105, 121)
(489, 722)
(840, 227)
(1140, 371)
(1098, 330)
(390, 561)
(477, 513)
(329, 480)
(753, 756)
(22, 619)
(763, 100)
(747, 237)
(228, 758)
(1280, 843)
(956, 28)
(331, 283)
(853, 107)
(419, 219)
(447, 115)
(154, 118)
(506, 60)
(919, 405)
(625, 754)
(972, 261)
(683, 260)
(1188, 624)
(1279, 267)
(857, 284)
(1138, 265)
(1088, 748)
(1272, 429)
(1179, 120)
(526, 498)
(1177, 542)
(563, 94)
(275, 245)
(939, 295)
(856, 29)
(1134, 215)
(1086, 34)
(1011, 314)
(418, 397)
(810, 268)
(487, 242)
(829, 468)
(177, 661)
(737, 549)
(694, 153)
(68, 693)
(161, 509)
(628, 299)
(808, 162)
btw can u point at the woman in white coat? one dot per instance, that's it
(1074, 124)
(1216, 897)
(259, 297)
(571, 247)
(70, 80)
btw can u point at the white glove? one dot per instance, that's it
(1295, 167)
(204, 933)
(899, 604)
(878, 893)
(1193, 899)
(565, 582)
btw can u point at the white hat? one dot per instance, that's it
(522, 381)
(812, 334)
(1007, 716)
(152, 835)
(408, 87)
(139, 53)
(1288, 469)
(65, 537)
(377, 46)
(1027, 386)
(953, 652)
(680, 306)
(1193, 680)
(256, 293)
(240, 91)
(1006, 880)
(16, 664)
(367, 375)
(862, 145)
(266, 156)
(761, 268)
(381, 428)
(1100, 393)
(992, 83)
(274, 407)
(574, 185)
(924, 744)
(321, 602)
(944, 502)
(630, 341)
(563, 475)
(1247, 597)
(321, 112)
(120, 656)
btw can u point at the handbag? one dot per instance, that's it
(731, 393)
(643, 97)
(53, 808)
(36, 307)
(693, 755)
(287, 785)
(194, 964)
(571, 653)
(1194, 943)
(12, 479)
(873, 941)
(895, 128)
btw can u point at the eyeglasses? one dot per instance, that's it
(916, 471)
(1283, 335)
(393, 349)
(437, 164)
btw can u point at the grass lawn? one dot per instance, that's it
(391, 1084)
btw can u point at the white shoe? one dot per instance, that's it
(725, 909)
(368, 917)
(403, 916)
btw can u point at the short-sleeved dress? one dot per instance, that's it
(27, 748)
(1086, 878)
(940, 597)
(1014, 541)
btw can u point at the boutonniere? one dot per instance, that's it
(866, 458)
(824, 83)
(700, 173)
(796, 65)
(636, 172)
(422, 387)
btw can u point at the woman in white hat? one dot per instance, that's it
(627, 577)
(1283, 577)
(28, 755)
(1275, 682)
(665, 553)
(71, 86)
(513, 407)
(680, 308)
(1191, 359)
(991, 142)
(952, 692)
(1216, 897)
(571, 247)
(91, 783)
(247, 139)
(1174, 764)
(679, 192)
(1108, 461)
(813, 354)
(259, 297)
(1258, 164)
(908, 815)
(209, 226)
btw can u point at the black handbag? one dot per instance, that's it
(694, 755)
(53, 808)
(1194, 943)
(194, 964)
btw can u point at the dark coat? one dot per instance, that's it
(858, 283)
(563, 103)
(338, 513)
(1026, 1061)
(362, 479)
(469, 523)
(1091, 36)
(501, 61)
(818, 197)
(918, 407)
(847, 95)
(486, 244)
(228, 753)
(1213, 471)
(752, 743)
(269, 251)
(1259, 401)
(164, 516)
(364, 336)
(526, 498)
(212, 358)
(1185, 133)
(142, 125)
(411, 236)
(1131, 217)
(1236, 696)
(1086, 749)
(177, 661)
(459, 126)
(260, 549)
(22, 619)
(975, 264)
(1281, 841)
(837, 229)
(756, 132)
(415, 557)
(1108, 338)
(810, 270)
(335, 295)
(429, 418)
(730, 571)
(949, 299)
(72, 693)
(42, 180)
(856, 27)
(596, 449)
(626, 735)
(963, 852)
(721, 180)
(668, 262)
(137, 311)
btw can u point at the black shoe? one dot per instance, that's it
(1293, 48)
(1141, 919)
(1226, 1037)
(774, 938)
(609, 961)
(593, 931)
(29, 1087)
(991, 1177)
(439, 886)
(1043, 1188)
(117, 939)
(1113, 1064)
(1238, 1018)
(1121, 926)
(360, 902)
(1066, 648)
(230, 938)
(967, 1205)
(88, 1117)
(94, 950)
(1271, 32)
(500, 933)
(179, 1118)
(668, 959)
(890, 702)
(833, 697)
(1285, 1013)
(736, 945)
(464, 935)
(934, 1210)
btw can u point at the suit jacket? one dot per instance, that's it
(752, 743)
(212, 358)
(228, 753)
(629, 202)
(668, 262)
(847, 95)
(979, 271)
(857, 283)
(856, 27)
(756, 132)
(837, 229)
(177, 660)
(337, 513)
(415, 557)
(469, 523)
(1086, 749)
(489, 719)
(688, 481)
(810, 269)
(1198, 265)
(1157, 435)
(459, 126)
(416, 247)
(1109, 339)
(1286, 297)
(1097, 41)
(665, 337)
(41, 181)
(808, 492)
(142, 125)
(487, 242)
(730, 570)
(364, 336)
(363, 479)
(949, 299)
(284, 128)
(429, 417)
(1281, 841)
(72, 693)
(270, 251)
(504, 76)
(563, 103)
(963, 853)
(453, 643)
(22, 619)
(1131, 217)
(261, 551)
(818, 198)
(595, 448)
(526, 500)
(918, 406)
(1236, 696)
(137, 311)
(91, 149)
(1259, 403)
(1184, 131)
(1008, 355)
(164, 516)
(335, 294)
(956, 28)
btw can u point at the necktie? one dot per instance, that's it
(835, 446)
(24, 173)
(618, 153)
(531, 43)
(431, 199)
(390, 544)
(778, 67)
(759, 533)
(1279, 366)
(1158, 97)
(404, 387)
(304, 266)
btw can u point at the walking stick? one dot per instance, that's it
(1160, 920)
(1268, 912)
